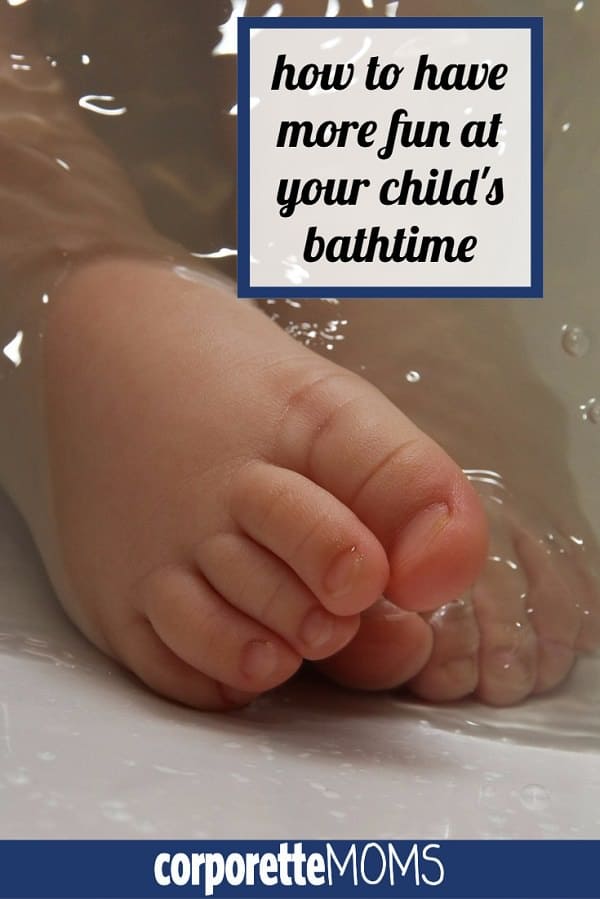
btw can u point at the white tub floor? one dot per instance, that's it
(86, 752)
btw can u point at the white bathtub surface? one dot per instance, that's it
(86, 752)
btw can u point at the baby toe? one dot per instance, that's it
(390, 647)
(313, 533)
(508, 642)
(553, 609)
(260, 585)
(206, 633)
(452, 671)
(145, 654)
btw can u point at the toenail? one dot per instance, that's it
(317, 629)
(386, 610)
(259, 659)
(421, 531)
(344, 572)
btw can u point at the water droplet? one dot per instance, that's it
(590, 411)
(18, 778)
(413, 377)
(534, 797)
(575, 341)
(241, 778)
(594, 413)
(46, 756)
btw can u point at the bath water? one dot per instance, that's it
(175, 138)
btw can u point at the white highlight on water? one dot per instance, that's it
(18, 63)
(228, 43)
(217, 254)
(91, 101)
(12, 350)
(254, 101)
(591, 410)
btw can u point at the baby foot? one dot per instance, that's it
(536, 605)
(226, 502)
(517, 632)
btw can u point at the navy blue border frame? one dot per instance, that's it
(536, 28)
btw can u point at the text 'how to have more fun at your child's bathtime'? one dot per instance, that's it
(398, 169)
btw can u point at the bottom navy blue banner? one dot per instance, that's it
(461, 868)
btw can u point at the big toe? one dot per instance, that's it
(346, 436)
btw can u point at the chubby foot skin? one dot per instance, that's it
(227, 503)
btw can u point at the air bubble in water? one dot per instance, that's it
(534, 797)
(575, 341)
(590, 411)
(413, 377)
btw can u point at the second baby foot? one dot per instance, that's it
(460, 371)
